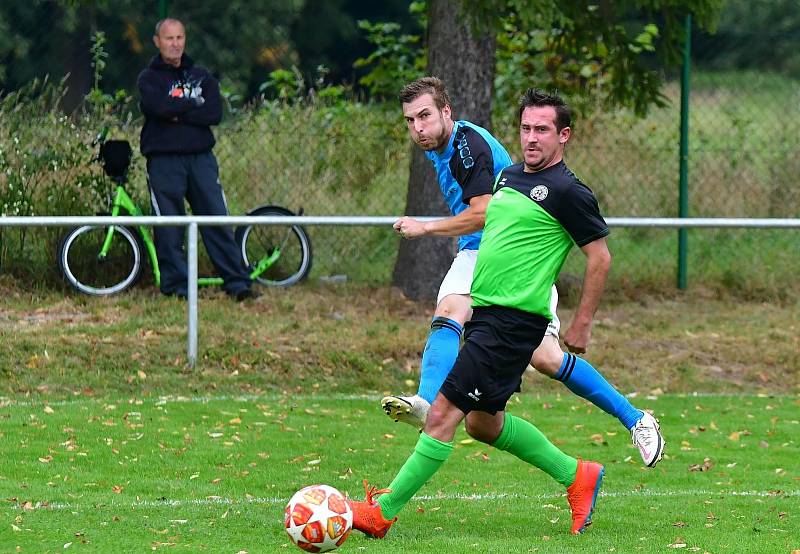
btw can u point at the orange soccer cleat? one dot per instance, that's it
(367, 515)
(582, 494)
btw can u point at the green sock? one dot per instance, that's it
(522, 439)
(427, 458)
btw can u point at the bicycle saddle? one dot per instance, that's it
(116, 157)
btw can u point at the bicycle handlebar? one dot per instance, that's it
(101, 136)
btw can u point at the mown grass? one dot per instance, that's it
(130, 473)
(350, 337)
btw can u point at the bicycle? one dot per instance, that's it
(101, 260)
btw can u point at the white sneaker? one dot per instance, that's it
(646, 435)
(408, 409)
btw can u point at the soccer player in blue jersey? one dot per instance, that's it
(467, 158)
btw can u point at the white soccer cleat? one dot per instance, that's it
(408, 409)
(646, 435)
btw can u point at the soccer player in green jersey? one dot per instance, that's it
(538, 210)
(467, 160)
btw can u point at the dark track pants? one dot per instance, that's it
(171, 178)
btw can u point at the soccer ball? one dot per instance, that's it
(318, 518)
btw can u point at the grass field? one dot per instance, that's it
(108, 442)
(181, 474)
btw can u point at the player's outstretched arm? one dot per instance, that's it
(470, 220)
(598, 262)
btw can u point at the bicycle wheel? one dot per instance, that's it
(83, 268)
(283, 250)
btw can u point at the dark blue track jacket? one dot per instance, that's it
(179, 105)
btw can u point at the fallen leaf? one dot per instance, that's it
(705, 466)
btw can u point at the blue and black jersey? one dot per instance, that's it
(467, 168)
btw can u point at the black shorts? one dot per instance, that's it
(498, 345)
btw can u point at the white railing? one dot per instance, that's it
(192, 222)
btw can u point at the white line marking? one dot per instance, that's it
(219, 501)
(161, 400)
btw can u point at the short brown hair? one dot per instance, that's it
(537, 98)
(427, 85)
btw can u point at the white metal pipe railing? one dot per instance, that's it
(234, 220)
(191, 290)
(192, 222)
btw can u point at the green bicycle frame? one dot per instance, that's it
(122, 201)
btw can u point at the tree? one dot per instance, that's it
(608, 47)
(753, 34)
(39, 38)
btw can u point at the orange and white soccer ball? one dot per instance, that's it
(318, 518)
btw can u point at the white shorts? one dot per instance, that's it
(459, 281)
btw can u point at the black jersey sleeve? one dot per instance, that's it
(580, 215)
(472, 164)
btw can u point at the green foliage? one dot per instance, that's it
(111, 107)
(397, 59)
(52, 38)
(596, 54)
(290, 86)
(286, 84)
(601, 51)
(753, 34)
(45, 166)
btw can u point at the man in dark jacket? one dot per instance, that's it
(180, 102)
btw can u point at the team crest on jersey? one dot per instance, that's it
(539, 193)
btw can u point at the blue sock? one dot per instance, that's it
(584, 380)
(439, 356)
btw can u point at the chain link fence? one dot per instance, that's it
(349, 158)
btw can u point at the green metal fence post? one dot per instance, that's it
(683, 196)
(162, 8)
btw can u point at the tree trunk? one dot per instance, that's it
(466, 63)
(421, 264)
(76, 58)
